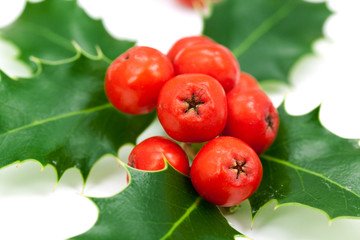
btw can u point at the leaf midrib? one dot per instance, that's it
(265, 27)
(182, 218)
(58, 117)
(297, 168)
(50, 35)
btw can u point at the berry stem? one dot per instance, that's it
(188, 148)
(229, 210)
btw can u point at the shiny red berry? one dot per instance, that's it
(226, 171)
(196, 3)
(192, 3)
(192, 108)
(182, 43)
(247, 81)
(134, 79)
(149, 155)
(211, 59)
(252, 118)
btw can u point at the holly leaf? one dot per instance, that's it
(62, 117)
(267, 36)
(158, 205)
(51, 30)
(309, 165)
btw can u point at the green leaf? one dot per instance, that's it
(309, 165)
(267, 36)
(62, 117)
(158, 205)
(49, 30)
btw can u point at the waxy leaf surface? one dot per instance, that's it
(267, 36)
(62, 117)
(158, 205)
(309, 165)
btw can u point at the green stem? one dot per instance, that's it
(188, 148)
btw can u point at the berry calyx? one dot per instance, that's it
(239, 167)
(193, 103)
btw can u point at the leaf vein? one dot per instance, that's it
(55, 118)
(50, 35)
(265, 27)
(301, 180)
(297, 168)
(182, 218)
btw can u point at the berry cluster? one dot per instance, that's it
(200, 96)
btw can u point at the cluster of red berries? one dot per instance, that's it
(200, 96)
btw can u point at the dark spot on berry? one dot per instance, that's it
(131, 164)
(269, 120)
(127, 57)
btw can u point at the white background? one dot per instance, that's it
(34, 206)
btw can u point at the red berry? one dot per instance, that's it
(192, 108)
(191, 3)
(252, 118)
(247, 81)
(214, 60)
(149, 155)
(226, 171)
(182, 43)
(134, 79)
(196, 3)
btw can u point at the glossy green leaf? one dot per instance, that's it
(267, 36)
(62, 117)
(158, 205)
(49, 30)
(309, 165)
